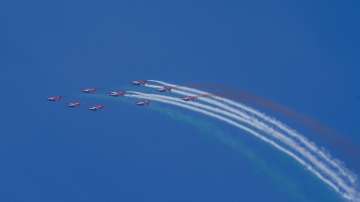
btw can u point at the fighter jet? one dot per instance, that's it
(74, 104)
(96, 107)
(89, 90)
(143, 102)
(54, 98)
(117, 93)
(189, 98)
(139, 82)
(165, 89)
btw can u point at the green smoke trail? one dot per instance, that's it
(282, 182)
(236, 145)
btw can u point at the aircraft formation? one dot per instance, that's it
(269, 130)
(118, 93)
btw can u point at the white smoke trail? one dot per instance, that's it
(219, 101)
(346, 194)
(270, 130)
(284, 139)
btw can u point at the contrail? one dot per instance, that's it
(310, 157)
(219, 101)
(348, 194)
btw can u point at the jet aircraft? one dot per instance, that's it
(117, 93)
(89, 90)
(74, 104)
(189, 98)
(55, 98)
(96, 107)
(139, 82)
(143, 102)
(165, 89)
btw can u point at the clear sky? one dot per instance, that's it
(300, 54)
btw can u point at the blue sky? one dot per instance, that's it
(299, 54)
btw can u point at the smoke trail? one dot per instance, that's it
(278, 178)
(287, 186)
(279, 136)
(346, 194)
(219, 101)
(263, 126)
